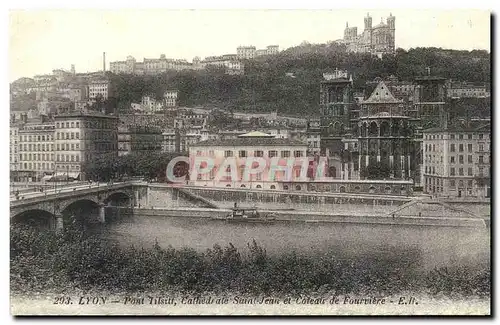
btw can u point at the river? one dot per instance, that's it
(439, 246)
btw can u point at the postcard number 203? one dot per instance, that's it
(62, 301)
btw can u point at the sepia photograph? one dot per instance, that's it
(250, 162)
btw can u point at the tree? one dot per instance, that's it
(376, 171)
(265, 87)
(148, 164)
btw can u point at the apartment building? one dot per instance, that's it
(457, 161)
(80, 138)
(36, 151)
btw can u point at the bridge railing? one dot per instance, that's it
(68, 192)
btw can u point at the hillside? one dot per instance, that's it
(266, 86)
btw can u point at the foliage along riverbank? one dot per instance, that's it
(43, 261)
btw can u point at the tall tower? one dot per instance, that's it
(335, 104)
(104, 61)
(368, 22)
(391, 23)
(73, 72)
(346, 31)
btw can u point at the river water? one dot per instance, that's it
(438, 246)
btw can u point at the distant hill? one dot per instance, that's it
(289, 82)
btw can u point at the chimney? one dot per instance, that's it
(104, 61)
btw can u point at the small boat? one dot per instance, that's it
(249, 215)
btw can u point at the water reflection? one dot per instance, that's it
(439, 246)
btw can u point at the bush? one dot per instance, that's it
(45, 260)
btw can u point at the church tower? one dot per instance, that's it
(391, 23)
(368, 22)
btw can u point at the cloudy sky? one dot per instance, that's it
(42, 40)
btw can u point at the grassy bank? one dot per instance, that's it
(45, 261)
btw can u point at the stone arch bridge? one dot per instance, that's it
(53, 205)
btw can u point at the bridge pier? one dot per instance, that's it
(102, 213)
(59, 222)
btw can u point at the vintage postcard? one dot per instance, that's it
(250, 162)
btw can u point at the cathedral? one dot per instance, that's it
(378, 40)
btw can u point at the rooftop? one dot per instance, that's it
(249, 141)
(381, 94)
(486, 127)
(81, 114)
(430, 78)
(256, 134)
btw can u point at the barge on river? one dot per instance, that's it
(248, 215)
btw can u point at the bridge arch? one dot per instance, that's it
(118, 198)
(78, 202)
(35, 217)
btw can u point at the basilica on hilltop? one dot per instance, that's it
(378, 40)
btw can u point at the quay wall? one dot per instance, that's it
(291, 198)
(319, 217)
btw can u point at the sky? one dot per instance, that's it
(43, 40)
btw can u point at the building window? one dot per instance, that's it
(469, 183)
(258, 153)
(481, 148)
(285, 154)
(452, 171)
(461, 147)
(452, 147)
(452, 159)
(273, 153)
(469, 171)
(228, 153)
(481, 159)
(481, 136)
(461, 159)
(469, 136)
(77, 124)
(452, 183)
(469, 147)
(298, 153)
(242, 153)
(461, 137)
(452, 136)
(461, 171)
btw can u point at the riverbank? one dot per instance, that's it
(42, 261)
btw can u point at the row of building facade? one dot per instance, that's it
(400, 132)
(232, 63)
